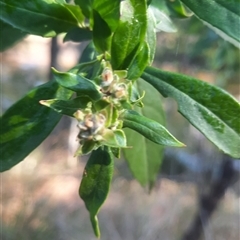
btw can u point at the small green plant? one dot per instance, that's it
(113, 93)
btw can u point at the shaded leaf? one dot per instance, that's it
(145, 157)
(210, 109)
(116, 152)
(78, 84)
(100, 105)
(89, 53)
(45, 18)
(68, 107)
(87, 147)
(89, 70)
(109, 11)
(27, 123)
(90, 66)
(220, 15)
(96, 182)
(78, 35)
(115, 139)
(101, 33)
(9, 35)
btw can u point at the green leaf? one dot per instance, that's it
(109, 111)
(9, 35)
(161, 15)
(101, 33)
(89, 70)
(115, 139)
(139, 62)
(135, 96)
(87, 147)
(77, 13)
(86, 6)
(89, 53)
(68, 107)
(150, 37)
(116, 152)
(27, 123)
(78, 84)
(177, 9)
(96, 182)
(220, 15)
(60, 1)
(46, 18)
(146, 51)
(90, 66)
(78, 35)
(211, 110)
(100, 105)
(145, 157)
(109, 11)
(150, 129)
(129, 34)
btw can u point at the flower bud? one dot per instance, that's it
(107, 77)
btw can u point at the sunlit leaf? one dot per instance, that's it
(45, 18)
(210, 109)
(86, 6)
(150, 37)
(150, 129)
(223, 16)
(177, 9)
(139, 62)
(129, 34)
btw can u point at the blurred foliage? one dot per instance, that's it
(201, 47)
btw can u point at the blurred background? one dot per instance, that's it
(39, 196)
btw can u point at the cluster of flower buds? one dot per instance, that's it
(113, 86)
(91, 125)
(98, 123)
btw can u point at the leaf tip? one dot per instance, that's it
(54, 70)
(43, 102)
(180, 144)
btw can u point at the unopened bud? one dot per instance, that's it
(79, 115)
(107, 77)
(120, 91)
